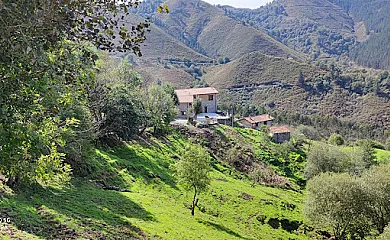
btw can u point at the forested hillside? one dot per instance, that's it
(317, 28)
(302, 88)
(326, 28)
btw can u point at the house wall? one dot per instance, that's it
(211, 105)
(269, 123)
(281, 137)
(183, 107)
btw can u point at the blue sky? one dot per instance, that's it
(240, 3)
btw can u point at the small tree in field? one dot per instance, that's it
(193, 171)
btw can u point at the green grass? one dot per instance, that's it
(156, 207)
(383, 156)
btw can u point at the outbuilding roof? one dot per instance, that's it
(258, 119)
(279, 129)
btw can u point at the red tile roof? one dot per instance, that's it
(258, 119)
(187, 95)
(279, 129)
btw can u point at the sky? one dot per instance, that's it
(240, 3)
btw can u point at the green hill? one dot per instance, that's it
(152, 204)
(156, 207)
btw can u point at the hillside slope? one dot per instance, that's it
(318, 28)
(275, 83)
(156, 207)
(326, 28)
(204, 28)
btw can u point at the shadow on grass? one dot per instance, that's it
(83, 211)
(147, 164)
(222, 228)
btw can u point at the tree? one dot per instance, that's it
(168, 88)
(368, 150)
(324, 158)
(197, 106)
(159, 107)
(34, 26)
(301, 79)
(377, 186)
(336, 139)
(46, 69)
(114, 100)
(337, 202)
(36, 125)
(193, 171)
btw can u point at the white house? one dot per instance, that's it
(208, 97)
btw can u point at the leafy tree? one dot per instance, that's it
(114, 100)
(168, 88)
(44, 75)
(36, 116)
(368, 150)
(336, 139)
(377, 186)
(34, 26)
(337, 202)
(324, 158)
(309, 132)
(301, 79)
(197, 106)
(159, 107)
(193, 171)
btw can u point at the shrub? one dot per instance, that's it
(309, 132)
(337, 201)
(336, 139)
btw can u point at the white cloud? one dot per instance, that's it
(240, 3)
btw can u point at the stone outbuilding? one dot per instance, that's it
(280, 134)
(256, 121)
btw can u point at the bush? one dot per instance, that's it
(309, 132)
(325, 158)
(385, 235)
(387, 144)
(337, 202)
(336, 140)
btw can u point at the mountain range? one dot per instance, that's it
(317, 57)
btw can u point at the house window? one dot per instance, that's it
(211, 97)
